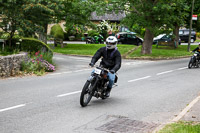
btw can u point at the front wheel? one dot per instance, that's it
(190, 63)
(86, 95)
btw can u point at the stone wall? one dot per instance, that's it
(10, 65)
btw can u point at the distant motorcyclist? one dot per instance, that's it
(111, 59)
(198, 51)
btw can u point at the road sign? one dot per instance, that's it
(194, 17)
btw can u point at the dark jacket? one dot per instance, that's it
(196, 49)
(111, 58)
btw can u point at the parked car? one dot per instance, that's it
(184, 35)
(163, 38)
(128, 38)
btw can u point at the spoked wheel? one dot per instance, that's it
(190, 63)
(86, 95)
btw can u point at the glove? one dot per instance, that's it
(112, 71)
(91, 64)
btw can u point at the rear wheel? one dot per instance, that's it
(139, 43)
(86, 95)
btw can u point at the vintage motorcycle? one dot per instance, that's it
(194, 60)
(95, 86)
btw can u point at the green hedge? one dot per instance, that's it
(34, 45)
(57, 32)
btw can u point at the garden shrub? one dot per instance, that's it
(38, 64)
(4, 35)
(57, 32)
(198, 34)
(33, 45)
(93, 33)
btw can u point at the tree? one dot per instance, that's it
(28, 16)
(58, 34)
(178, 14)
(76, 14)
(11, 16)
(196, 11)
(38, 14)
(154, 16)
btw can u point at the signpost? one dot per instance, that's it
(191, 25)
(194, 17)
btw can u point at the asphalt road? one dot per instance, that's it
(148, 94)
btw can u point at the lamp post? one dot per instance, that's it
(190, 26)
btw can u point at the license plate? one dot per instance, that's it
(97, 71)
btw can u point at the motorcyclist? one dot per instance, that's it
(111, 59)
(198, 50)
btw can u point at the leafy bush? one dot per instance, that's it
(34, 45)
(93, 33)
(75, 30)
(8, 49)
(38, 64)
(57, 32)
(4, 35)
(198, 34)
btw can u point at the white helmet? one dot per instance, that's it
(111, 42)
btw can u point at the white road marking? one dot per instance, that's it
(68, 72)
(55, 74)
(67, 94)
(81, 70)
(139, 79)
(14, 107)
(135, 63)
(78, 71)
(182, 68)
(80, 58)
(58, 58)
(165, 72)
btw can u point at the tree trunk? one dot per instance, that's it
(148, 41)
(43, 36)
(176, 33)
(10, 39)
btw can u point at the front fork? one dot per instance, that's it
(93, 80)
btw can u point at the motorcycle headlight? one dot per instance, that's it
(195, 54)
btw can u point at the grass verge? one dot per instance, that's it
(181, 127)
(165, 52)
(162, 52)
(88, 49)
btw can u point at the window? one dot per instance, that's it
(180, 32)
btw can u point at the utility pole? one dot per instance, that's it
(190, 26)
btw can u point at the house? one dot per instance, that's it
(112, 17)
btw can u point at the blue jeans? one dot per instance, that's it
(111, 78)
